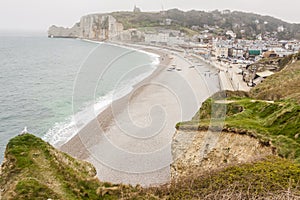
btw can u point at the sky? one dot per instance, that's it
(38, 15)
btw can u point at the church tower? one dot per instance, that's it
(136, 9)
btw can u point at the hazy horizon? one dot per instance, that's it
(37, 16)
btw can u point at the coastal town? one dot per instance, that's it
(242, 61)
(234, 56)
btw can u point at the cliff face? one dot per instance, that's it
(62, 32)
(207, 151)
(99, 27)
(95, 27)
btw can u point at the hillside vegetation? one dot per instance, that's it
(235, 21)
(35, 170)
(273, 123)
(282, 85)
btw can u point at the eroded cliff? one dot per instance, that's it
(98, 27)
(191, 152)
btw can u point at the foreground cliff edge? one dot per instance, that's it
(35, 170)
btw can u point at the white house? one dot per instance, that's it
(280, 29)
(222, 52)
(231, 33)
(238, 52)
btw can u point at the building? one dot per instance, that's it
(237, 52)
(222, 52)
(231, 34)
(164, 38)
(168, 22)
(270, 54)
(280, 29)
(136, 9)
(261, 76)
(281, 52)
(226, 12)
(254, 52)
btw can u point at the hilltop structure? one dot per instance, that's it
(136, 9)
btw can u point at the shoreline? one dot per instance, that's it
(120, 157)
(97, 103)
(105, 116)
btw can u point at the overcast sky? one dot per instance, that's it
(38, 15)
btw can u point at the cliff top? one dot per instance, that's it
(33, 169)
(270, 112)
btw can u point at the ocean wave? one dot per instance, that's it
(62, 132)
(154, 56)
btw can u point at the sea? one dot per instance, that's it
(47, 84)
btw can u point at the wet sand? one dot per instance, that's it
(130, 141)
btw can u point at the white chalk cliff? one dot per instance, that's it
(95, 27)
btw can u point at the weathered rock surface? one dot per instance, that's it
(62, 32)
(95, 27)
(206, 151)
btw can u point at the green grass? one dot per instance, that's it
(20, 147)
(52, 174)
(277, 122)
(34, 168)
(148, 21)
(33, 189)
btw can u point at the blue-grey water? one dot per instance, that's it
(37, 79)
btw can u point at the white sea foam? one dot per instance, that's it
(62, 132)
(91, 41)
(152, 55)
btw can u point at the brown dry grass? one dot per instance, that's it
(282, 85)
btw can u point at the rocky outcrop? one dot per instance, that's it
(100, 27)
(94, 27)
(130, 35)
(62, 32)
(205, 151)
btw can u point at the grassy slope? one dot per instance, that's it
(136, 20)
(35, 170)
(277, 122)
(283, 85)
